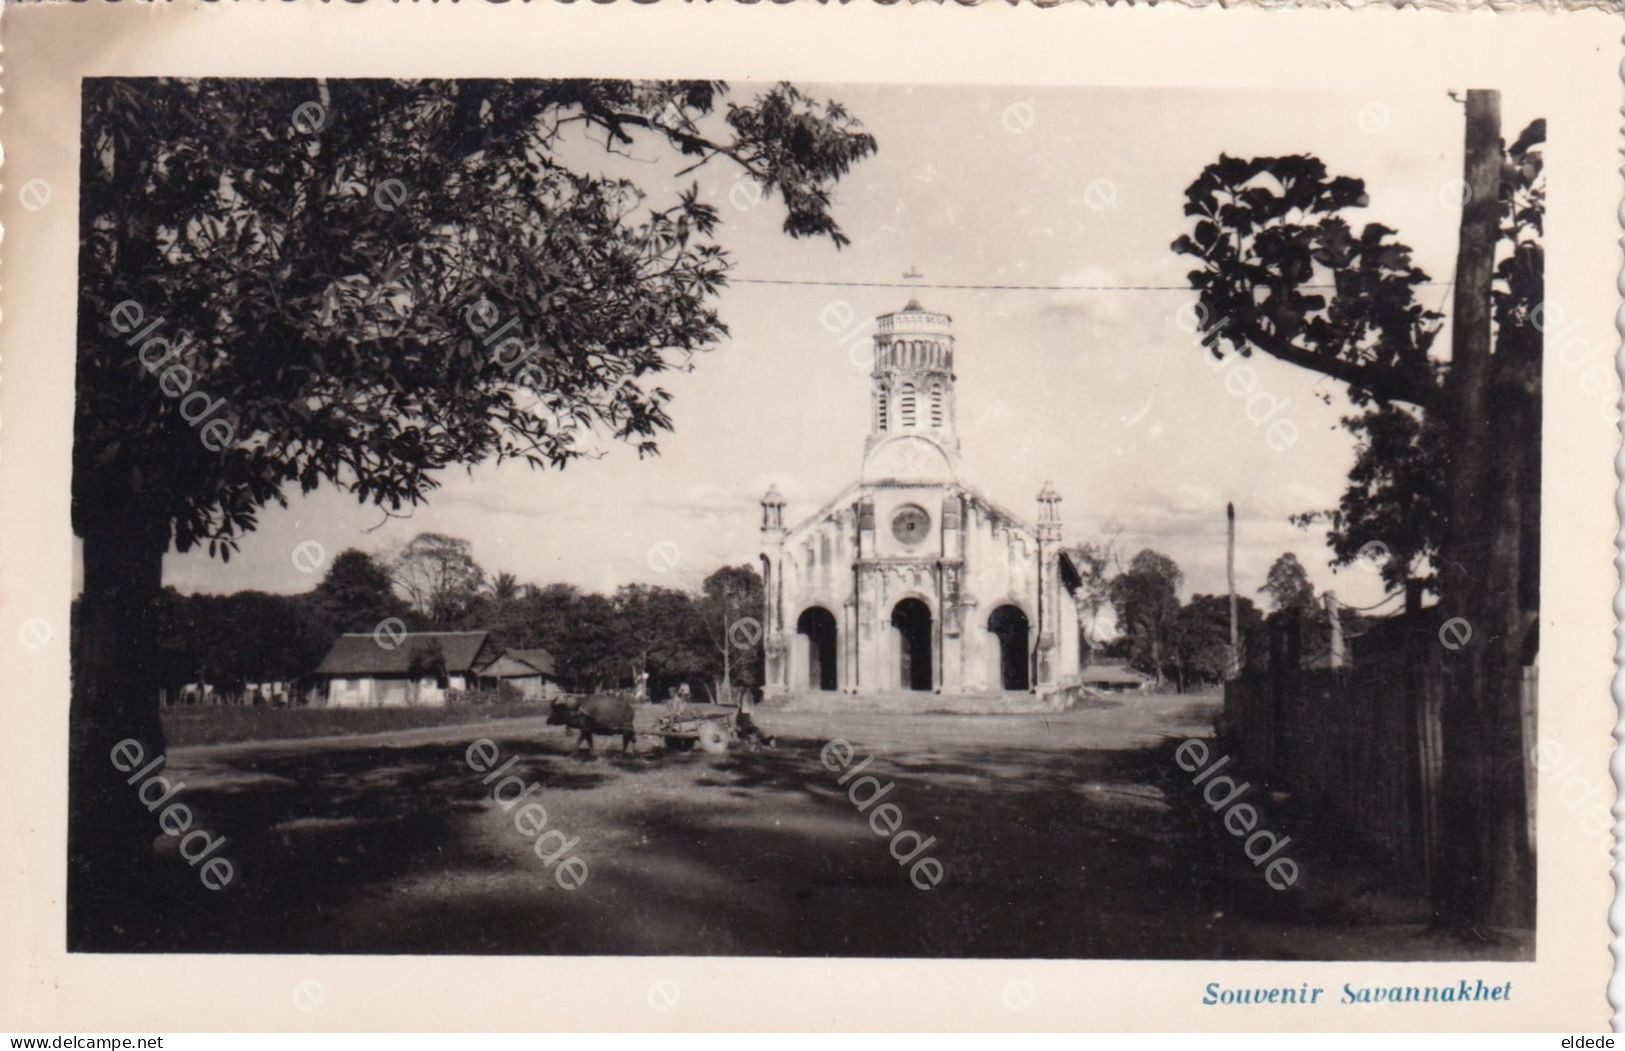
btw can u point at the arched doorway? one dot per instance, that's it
(912, 619)
(818, 624)
(1009, 625)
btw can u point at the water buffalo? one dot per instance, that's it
(601, 714)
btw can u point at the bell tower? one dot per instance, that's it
(912, 420)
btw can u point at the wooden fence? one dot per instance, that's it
(1360, 749)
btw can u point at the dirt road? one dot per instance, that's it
(1053, 836)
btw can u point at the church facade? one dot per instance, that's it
(911, 579)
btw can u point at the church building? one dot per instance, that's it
(911, 580)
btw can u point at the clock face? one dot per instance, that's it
(910, 525)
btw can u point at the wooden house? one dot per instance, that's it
(529, 671)
(1115, 676)
(419, 668)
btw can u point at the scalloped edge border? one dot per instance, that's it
(1616, 764)
(1453, 6)
(1615, 992)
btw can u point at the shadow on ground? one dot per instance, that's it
(1047, 851)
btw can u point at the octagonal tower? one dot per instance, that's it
(912, 433)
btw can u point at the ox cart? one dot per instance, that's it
(713, 728)
(710, 727)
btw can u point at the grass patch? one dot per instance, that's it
(217, 725)
(1202, 711)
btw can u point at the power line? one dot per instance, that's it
(1380, 602)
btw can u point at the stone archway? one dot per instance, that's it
(1009, 625)
(818, 625)
(912, 619)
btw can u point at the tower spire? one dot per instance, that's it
(912, 383)
(1049, 512)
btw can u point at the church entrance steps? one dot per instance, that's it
(910, 702)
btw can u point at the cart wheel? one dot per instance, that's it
(712, 739)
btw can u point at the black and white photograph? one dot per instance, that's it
(529, 524)
(677, 517)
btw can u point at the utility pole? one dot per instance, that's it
(727, 644)
(1233, 668)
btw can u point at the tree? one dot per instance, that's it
(500, 609)
(225, 642)
(175, 658)
(1268, 234)
(730, 599)
(657, 630)
(544, 616)
(355, 595)
(1199, 638)
(504, 588)
(1145, 597)
(1392, 512)
(426, 660)
(438, 575)
(595, 655)
(261, 306)
(1094, 593)
(1292, 598)
(1489, 555)
(1288, 585)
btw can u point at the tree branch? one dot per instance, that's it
(1383, 384)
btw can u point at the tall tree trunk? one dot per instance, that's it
(116, 677)
(727, 646)
(1233, 665)
(1485, 876)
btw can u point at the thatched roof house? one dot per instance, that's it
(1113, 675)
(374, 669)
(530, 671)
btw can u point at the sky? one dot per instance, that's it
(1103, 391)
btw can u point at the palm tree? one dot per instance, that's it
(504, 588)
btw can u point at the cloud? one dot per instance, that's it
(1090, 303)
